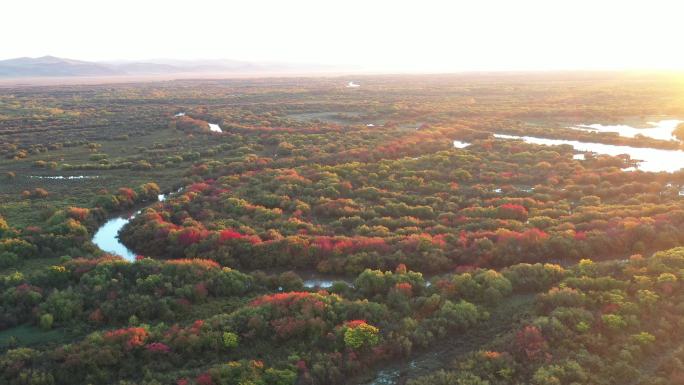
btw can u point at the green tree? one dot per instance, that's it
(361, 335)
(230, 340)
(46, 321)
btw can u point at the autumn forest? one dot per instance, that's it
(473, 229)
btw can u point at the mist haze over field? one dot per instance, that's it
(385, 36)
(50, 66)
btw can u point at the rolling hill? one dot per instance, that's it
(51, 66)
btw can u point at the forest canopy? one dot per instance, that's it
(336, 235)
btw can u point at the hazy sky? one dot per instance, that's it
(420, 35)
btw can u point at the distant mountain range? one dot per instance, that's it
(50, 66)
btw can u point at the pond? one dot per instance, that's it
(214, 128)
(650, 159)
(314, 280)
(62, 177)
(661, 130)
(318, 282)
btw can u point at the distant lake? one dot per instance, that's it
(650, 159)
(661, 130)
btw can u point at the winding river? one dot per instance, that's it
(107, 238)
(650, 159)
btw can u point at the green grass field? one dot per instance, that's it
(27, 335)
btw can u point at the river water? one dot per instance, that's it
(107, 238)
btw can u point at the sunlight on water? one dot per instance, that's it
(661, 130)
(214, 128)
(106, 238)
(651, 159)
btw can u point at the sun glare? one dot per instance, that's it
(372, 35)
